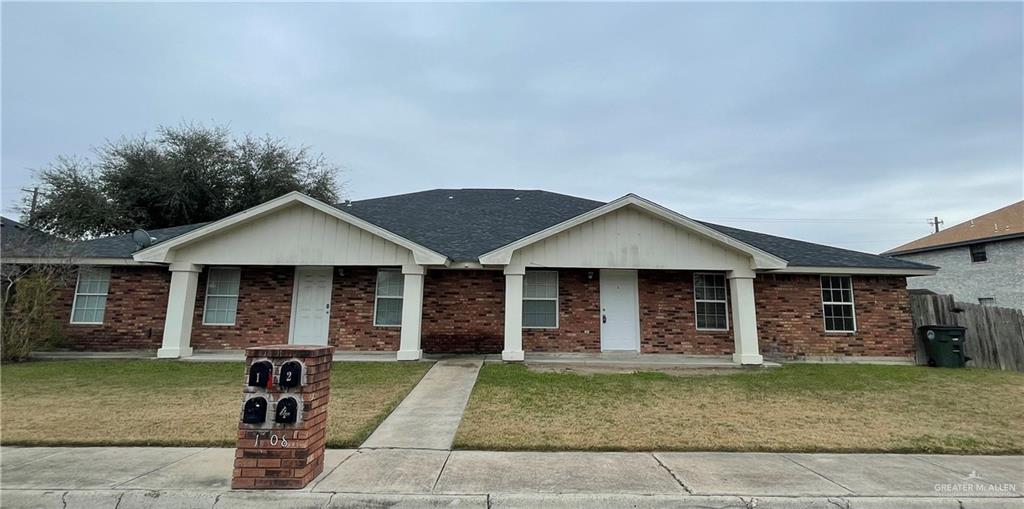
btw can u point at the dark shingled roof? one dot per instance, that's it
(122, 246)
(17, 239)
(20, 240)
(808, 254)
(463, 224)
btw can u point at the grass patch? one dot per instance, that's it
(162, 403)
(798, 407)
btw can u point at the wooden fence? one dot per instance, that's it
(995, 335)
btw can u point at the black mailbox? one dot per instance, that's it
(261, 374)
(255, 410)
(291, 374)
(287, 411)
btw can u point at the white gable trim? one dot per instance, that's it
(866, 271)
(762, 259)
(160, 252)
(72, 260)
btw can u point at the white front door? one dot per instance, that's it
(620, 312)
(311, 305)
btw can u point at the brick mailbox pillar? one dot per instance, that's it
(283, 419)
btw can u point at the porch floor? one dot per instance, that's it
(629, 361)
(589, 361)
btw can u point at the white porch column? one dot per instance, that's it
(744, 319)
(181, 308)
(513, 314)
(412, 312)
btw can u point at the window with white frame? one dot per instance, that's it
(221, 296)
(710, 302)
(388, 304)
(837, 303)
(540, 299)
(90, 295)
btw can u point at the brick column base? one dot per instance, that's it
(280, 455)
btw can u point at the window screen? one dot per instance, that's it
(388, 305)
(90, 295)
(221, 296)
(540, 299)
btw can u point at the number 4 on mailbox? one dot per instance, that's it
(287, 411)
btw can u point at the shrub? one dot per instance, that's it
(28, 321)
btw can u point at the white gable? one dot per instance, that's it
(291, 230)
(630, 237)
(295, 235)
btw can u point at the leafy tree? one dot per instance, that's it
(186, 174)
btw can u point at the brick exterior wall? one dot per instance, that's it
(579, 316)
(134, 316)
(463, 311)
(668, 322)
(790, 323)
(352, 304)
(264, 311)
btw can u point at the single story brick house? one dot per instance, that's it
(484, 271)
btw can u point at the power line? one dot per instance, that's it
(817, 220)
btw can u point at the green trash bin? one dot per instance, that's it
(945, 345)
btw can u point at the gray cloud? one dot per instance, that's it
(886, 113)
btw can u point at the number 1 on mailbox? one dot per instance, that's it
(261, 374)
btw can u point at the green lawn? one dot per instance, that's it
(144, 402)
(799, 407)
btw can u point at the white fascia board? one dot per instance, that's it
(159, 252)
(762, 259)
(71, 260)
(855, 271)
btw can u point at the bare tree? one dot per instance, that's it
(42, 266)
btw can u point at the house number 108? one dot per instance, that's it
(274, 440)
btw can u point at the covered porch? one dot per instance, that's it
(321, 269)
(630, 276)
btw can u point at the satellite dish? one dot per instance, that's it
(142, 238)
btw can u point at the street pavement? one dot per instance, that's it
(127, 477)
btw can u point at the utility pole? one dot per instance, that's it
(935, 222)
(32, 208)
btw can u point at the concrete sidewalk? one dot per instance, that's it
(430, 415)
(197, 477)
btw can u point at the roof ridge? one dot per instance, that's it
(343, 204)
(952, 236)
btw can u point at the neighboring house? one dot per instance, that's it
(19, 238)
(486, 271)
(981, 260)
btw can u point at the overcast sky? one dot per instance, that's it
(865, 119)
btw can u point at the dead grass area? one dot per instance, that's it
(809, 408)
(173, 403)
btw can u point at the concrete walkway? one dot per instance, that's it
(198, 356)
(430, 415)
(198, 477)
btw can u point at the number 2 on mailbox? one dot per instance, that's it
(291, 374)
